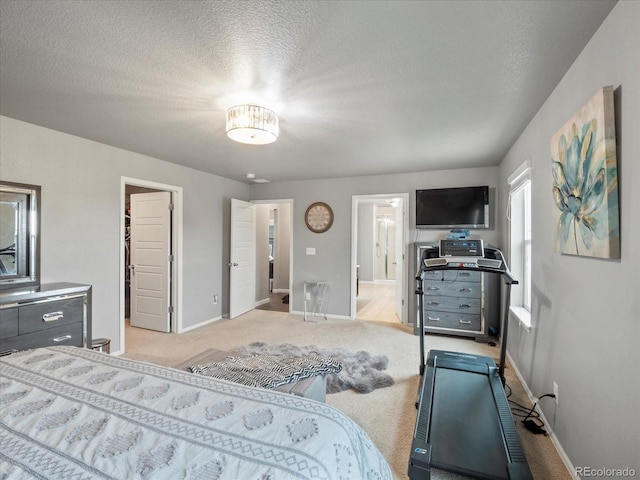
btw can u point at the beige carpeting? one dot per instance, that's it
(388, 414)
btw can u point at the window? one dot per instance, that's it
(519, 216)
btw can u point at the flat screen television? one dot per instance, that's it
(462, 207)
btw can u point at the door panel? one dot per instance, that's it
(242, 258)
(150, 266)
(399, 257)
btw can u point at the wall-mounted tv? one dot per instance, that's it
(462, 207)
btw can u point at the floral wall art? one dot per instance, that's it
(585, 181)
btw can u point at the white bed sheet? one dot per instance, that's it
(68, 412)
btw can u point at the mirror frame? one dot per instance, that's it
(30, 225)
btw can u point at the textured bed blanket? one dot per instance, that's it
(69, 412)
(268, 371)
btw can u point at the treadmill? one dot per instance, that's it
(464, 423)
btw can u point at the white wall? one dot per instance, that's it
(81, 212)
(586, 311)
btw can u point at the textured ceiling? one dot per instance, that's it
(361, 87)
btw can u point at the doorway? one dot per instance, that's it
(273, 254)
(379, 259)
(270, 252)
(172, 305)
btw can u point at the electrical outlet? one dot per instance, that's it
(215, 298)
(555, 391)
(308, 296)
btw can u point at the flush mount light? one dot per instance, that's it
(252, 124)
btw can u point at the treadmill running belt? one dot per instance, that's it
(466, 425)
(464, 422)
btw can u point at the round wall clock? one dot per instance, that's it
(318, 217)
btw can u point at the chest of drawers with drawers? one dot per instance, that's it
(53, 314)
(454, 302)
(460, 302)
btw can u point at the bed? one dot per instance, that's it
(69, 412)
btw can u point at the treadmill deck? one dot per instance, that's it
(464, 422)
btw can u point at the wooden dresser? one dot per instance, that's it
(51, 314)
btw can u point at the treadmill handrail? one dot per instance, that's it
(509, 279)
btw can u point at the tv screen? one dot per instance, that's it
(463, 207)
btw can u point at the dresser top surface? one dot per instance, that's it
(43, 291)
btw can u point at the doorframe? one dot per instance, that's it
(356, 200)
(288, 201)
(176, 249)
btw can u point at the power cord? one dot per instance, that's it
(531, 418)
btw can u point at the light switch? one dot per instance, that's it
(311, 251)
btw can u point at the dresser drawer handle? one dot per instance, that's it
(433, 319)
(433, 303)
(464, 289)
(465, 274)
(433, 288)
(465, 305)
(61, 339)
(53, 316)
(465, 322)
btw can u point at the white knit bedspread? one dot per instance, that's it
(73, 413)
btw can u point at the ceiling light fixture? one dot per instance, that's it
(252, 124)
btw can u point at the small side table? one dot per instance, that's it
(315, 292)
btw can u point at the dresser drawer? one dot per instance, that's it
(50, 314)
(452, 304)
(8, 323)
(63, 335)
(452, 276)
(455, 289)
(455, 321)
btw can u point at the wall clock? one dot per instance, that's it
(318, 217)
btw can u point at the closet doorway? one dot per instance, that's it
(151, 232)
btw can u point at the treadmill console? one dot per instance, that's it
(461, 248)
(453, 253)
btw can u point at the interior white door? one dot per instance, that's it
(399, 257)
(150, 262)
(242, 264)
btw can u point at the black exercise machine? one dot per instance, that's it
(464, 423)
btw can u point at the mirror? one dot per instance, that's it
(19, 239)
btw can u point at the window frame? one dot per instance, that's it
(519, 212)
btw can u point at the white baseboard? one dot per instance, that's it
(198, 325)
(329, 316)
(262, 302)
(552, 436)
(280, 290)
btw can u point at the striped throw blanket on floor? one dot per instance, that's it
(268, 371)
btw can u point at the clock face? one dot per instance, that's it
(318, 217)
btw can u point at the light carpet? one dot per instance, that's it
(388, 414)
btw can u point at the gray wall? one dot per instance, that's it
(282, 254)
(332, 261)
(81, 213)
(262, 252)
(365, 241)
(586, 311)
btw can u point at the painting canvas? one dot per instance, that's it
(585, 181)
